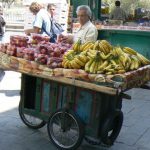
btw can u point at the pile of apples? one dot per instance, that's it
(41, 51)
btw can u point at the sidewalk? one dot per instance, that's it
(14, 135)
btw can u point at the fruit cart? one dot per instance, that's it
(74, 105)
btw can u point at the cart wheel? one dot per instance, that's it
(65, 130)
(30, 121)
(111, 127)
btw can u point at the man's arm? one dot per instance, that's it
(34, 30)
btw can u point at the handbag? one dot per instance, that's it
(56, 29)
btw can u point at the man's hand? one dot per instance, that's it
(27, 32)
(65, 39)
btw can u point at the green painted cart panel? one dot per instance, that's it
(45, 97)
(137, 40)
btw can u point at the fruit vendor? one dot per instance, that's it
(87, 31)
(41, 16)
(118, 13)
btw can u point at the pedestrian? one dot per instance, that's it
(42, 23)
(118, 13)
(87, 31)
(2, 25)
(56, 28)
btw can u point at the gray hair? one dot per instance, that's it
(86, 8)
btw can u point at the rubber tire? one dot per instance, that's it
(116, 116)
(81, 130)
(25, 121)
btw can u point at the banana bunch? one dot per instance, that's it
(74, 59)
(77, 46)
(101, 58)
(103, 46)
(86, 46)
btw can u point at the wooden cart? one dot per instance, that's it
(74, 106)
(70, 112)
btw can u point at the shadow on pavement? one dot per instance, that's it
(11, 93)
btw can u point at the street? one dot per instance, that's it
(135, 133)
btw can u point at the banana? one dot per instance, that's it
(121, 71)
(92, 67)
(106, 49)
(104, 57)
(100, 72)
(66, 64)
(119, 51)
(83, 58)
(95, 47)
(89, 46)
(75, 65)
(129, 51)
(108, 67)
(103, 65)
(132, 66)
(107, 44)
(77, 60)
(96, 67)
(108, 73)
(137, 62)
(102, 49)
(87, 65)
(91, 56)
(84, 45)
(77, 45)
(113, 63)
(142, 59)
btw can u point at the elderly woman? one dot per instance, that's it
(42, 22)
(87, 31)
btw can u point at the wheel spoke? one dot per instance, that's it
(69, 136)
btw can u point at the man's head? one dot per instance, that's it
(84, 14)
(117, 3)
(51, 9)
(35, 8)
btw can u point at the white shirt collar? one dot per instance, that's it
(85, 25)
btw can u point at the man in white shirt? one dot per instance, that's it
(42, 23)
(87, 31)
(118, 13)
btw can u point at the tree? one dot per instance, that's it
(7, 3)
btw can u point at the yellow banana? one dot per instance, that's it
(103, 65)
(83, 58)
(121, 71)
(95, 47)
(77, 60)
(76, 46)
(96, 67)
(109, 73)
(92, 66)
(107, 44)
(89, 46)
(108, 67)
(91, 56)
(129, 51)
(75, 65)
(142, 59)
(87, 65)
(104, 57)
(106, 49)
(66, 64)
